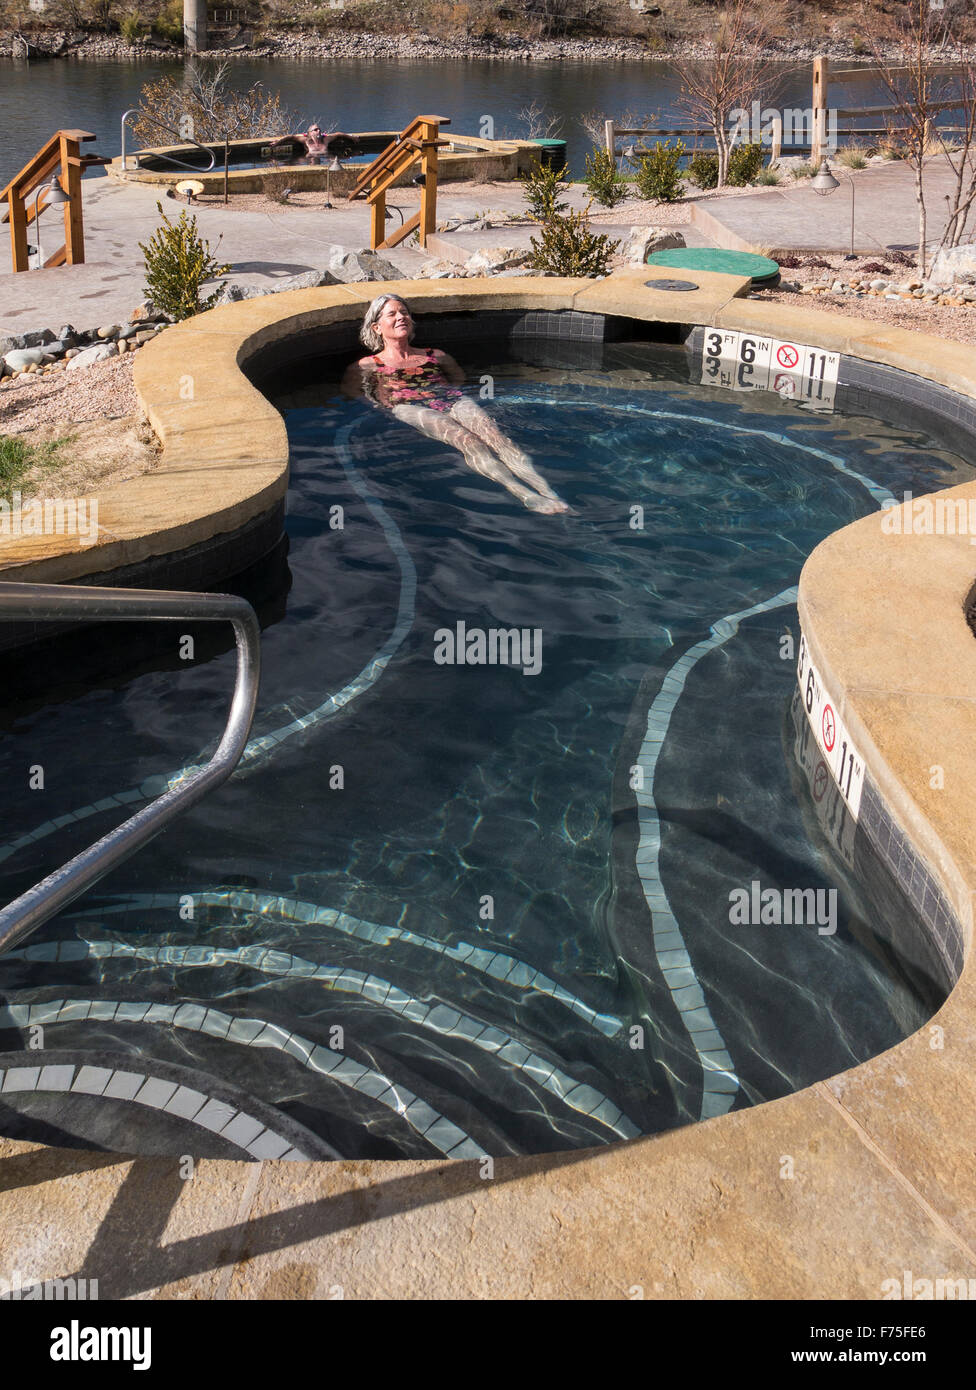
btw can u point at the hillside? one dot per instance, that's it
(842, 28)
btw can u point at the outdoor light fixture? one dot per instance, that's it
(823, 184)
(55, 197)
(334, 167)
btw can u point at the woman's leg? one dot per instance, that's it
(471, 415)
(441, 425)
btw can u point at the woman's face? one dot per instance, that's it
(394, 320)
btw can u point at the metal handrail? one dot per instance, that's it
(47, 602)
(184, 139)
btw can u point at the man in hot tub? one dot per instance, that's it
(422, 388)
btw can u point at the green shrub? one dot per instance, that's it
(659, 173)
(803, 171)
(768, 176)
(131, 26)
(168, 24)
(745, 161)
(542, 191)
(603, 179)
(177, 262)
(568, 247)
(703, 170)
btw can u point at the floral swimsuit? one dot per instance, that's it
(426, 384)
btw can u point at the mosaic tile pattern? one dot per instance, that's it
(913, 875)
(439, 1018)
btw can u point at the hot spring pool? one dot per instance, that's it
(473, 907)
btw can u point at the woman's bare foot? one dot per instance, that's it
(549, 506)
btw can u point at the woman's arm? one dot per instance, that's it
(353, 381)
(452, 371)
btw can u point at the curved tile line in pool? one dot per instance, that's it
(439, 1018)
(266, 744)
(437, 1129)
(719, 1081)
(715, 1060)
(142, 1088)
(498, 965)
(328, 709)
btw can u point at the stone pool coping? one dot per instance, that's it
(882, 1155)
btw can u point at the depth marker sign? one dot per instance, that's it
(842, 759)
(750, 362)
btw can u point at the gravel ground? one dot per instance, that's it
(959, 325)
(104, 391)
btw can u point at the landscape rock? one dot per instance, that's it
(644, 240)
(351, 267)
(109, 331)
(100, 353)
(492, 259)
(21, 358)
(954, 265)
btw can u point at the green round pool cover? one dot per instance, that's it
(760, 268)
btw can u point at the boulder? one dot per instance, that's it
(145, 310)
(955, 265)
(489, 260)
(440, 270)
(111, 330)
(643, 240)
(37, 338)
(21, 358)
(350, 267)
(100, 353)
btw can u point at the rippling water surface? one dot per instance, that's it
(419, 918)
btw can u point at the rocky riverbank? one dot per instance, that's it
(304, 45)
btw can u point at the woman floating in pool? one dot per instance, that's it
(421, 388)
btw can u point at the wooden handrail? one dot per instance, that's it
(62, 151)
(382, 160)
(416, 142)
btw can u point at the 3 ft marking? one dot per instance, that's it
(750, 362)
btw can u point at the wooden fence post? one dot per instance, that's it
(610, 136)
(428, 190)
(776, 148)
(820, 77)
(74, 225)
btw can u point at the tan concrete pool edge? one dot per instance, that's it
(827, 1193)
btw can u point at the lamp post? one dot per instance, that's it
(823, 184)
(334, 167)
(56, 197)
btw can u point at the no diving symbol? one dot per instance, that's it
(820, 781)
(787, 355)
(829, 727)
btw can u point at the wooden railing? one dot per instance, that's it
(418, 142)
(62, 151)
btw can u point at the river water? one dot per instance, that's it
(357, 94)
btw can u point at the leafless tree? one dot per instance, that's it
(733, 75)
(539, 122)
(919, 89)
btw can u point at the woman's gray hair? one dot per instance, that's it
(369, 333)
